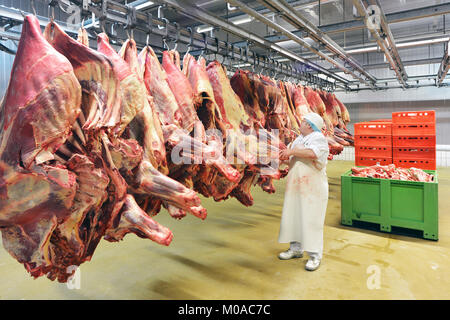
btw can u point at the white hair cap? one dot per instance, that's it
(316, 120)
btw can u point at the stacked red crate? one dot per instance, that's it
(414, 139)
(373, 142)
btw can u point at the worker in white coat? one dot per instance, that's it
(306, 196)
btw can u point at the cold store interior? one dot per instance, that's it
(378, 58)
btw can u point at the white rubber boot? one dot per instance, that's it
(290, 254)
(312, 264)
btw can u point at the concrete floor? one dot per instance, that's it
(233, 255)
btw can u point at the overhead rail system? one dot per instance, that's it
(260, 53)
(377, 25)
(292, 16)
(112, 12)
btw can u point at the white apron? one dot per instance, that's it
(305, 204)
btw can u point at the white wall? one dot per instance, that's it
(396, 95)
(442, 157)
(368, 105)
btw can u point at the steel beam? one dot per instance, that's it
(115, 12)
(196, 13)
(293, 37)
(403, 16)
(16, 15)
(387, 34)
(294, 18)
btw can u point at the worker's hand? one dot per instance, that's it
(285, 154)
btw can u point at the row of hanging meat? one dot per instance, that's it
(88, 139)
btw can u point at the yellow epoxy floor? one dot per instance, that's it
(233, 255)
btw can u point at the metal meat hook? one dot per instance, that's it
(160, 16)
(205, 46)
(177, 35)
(51, 12)
(191, 40)
(232, 56)
(33, 7)
(216, 40)
(150, 25)
(254, 62)
(166, 35)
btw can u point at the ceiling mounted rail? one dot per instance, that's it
(205, 17)
(292, 16)
(295, 38)
(379, 28)
(108, 11)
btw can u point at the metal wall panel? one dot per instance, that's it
(6, 62)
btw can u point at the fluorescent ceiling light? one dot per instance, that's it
(362, 50)
(144, 5)
(204, 29)
(235, 22)
(401, 45)
(231, 8)
(422, 42)
(242, 20)
(287, 43)
(242, 65)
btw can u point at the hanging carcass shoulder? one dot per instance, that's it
(133, 95)
(37, 114)
(36, 117)
(102, 99)
(149, 180)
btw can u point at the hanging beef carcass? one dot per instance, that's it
(215, 166)
(333, 111)
(295, 103)
(344, 112)
(37, 114)
(300, 101)
(233, 111)
(271, 101)
(180, 86)
(293, 123)
(87, 140)
(245, 84)
(318, 106)
(158, 86)
(75, 194)
(148, 180)
(213, 183)
(99, 77)
(249, 86)
(330, 107)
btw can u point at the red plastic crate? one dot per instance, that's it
(370, 161)
(415, 129)
(414, 117)
(373, 128)
(402, 153)
(425, 164)
(414, 141)
(371, 151)
(381, 120)
(373, 141)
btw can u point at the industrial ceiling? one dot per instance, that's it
(348, 44)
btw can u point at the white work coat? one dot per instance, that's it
(306, 196)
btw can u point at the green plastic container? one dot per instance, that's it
(391, 203)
